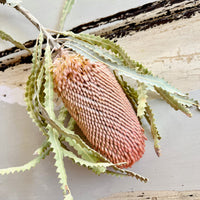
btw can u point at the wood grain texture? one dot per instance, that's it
(156, 195)
(170, 50)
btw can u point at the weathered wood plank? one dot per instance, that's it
(156, 195)
(170, 50)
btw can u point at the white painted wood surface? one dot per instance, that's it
(48, 13)
(171, 51)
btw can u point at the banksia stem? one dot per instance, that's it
(98, 104)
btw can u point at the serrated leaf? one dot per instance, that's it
(25, 167)
(142, 100)
(99, 167)
(110, 46)
(59, 163)
(129, 91)
(66, 133)
(154, 131)
(99, 52)
(71, 124)
(186, 100)
(124, 172)
(133, 98)
(5, 36)
(32, 107)
(172, 101)
(148, 79)
(62, 114)
(66, 10)
(49, 104)
(45, 145)
(52, 133)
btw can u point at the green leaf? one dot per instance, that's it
(32, 107)
(172, 101)
(149, 80)
(154, 131)
(129, 91)
(62, 114)
(68, 134)
(66, 10)
(25, 167)
(52, 133)
(110, 46)
(5, 36)
(123, 172)
(122, 55)
(71, 124)
(99, 167)
(49, 104)
(59, 163)
(99, 52)
(133, 96)
(142, 100)
(43, 148)
(186, 100)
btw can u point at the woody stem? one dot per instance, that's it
(37, 24)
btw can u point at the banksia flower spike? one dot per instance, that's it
(98, 104)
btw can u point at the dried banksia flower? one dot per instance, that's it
(98, 104)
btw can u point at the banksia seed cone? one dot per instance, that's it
(98, 104)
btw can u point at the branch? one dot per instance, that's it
(37, 24)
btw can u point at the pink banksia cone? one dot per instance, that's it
(99, 106)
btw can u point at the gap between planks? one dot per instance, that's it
(156, 195)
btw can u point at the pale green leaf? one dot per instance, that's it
(123, 172)
(133, 96)
(45, 145)
(129, 91)
(121, 54)
(71, 124)
(142, 99)
(66, 10)
(100, 167)
(62, 114)
(110, 46)
(49, 104)
(186, 100)
(32, 107)
(66, 133)
(5, 36)
(59, 163)
(25, 167)
(172, 101)
(99, 52)
(76, 142)
(148, 79)
(52, 133)
(154, 131)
